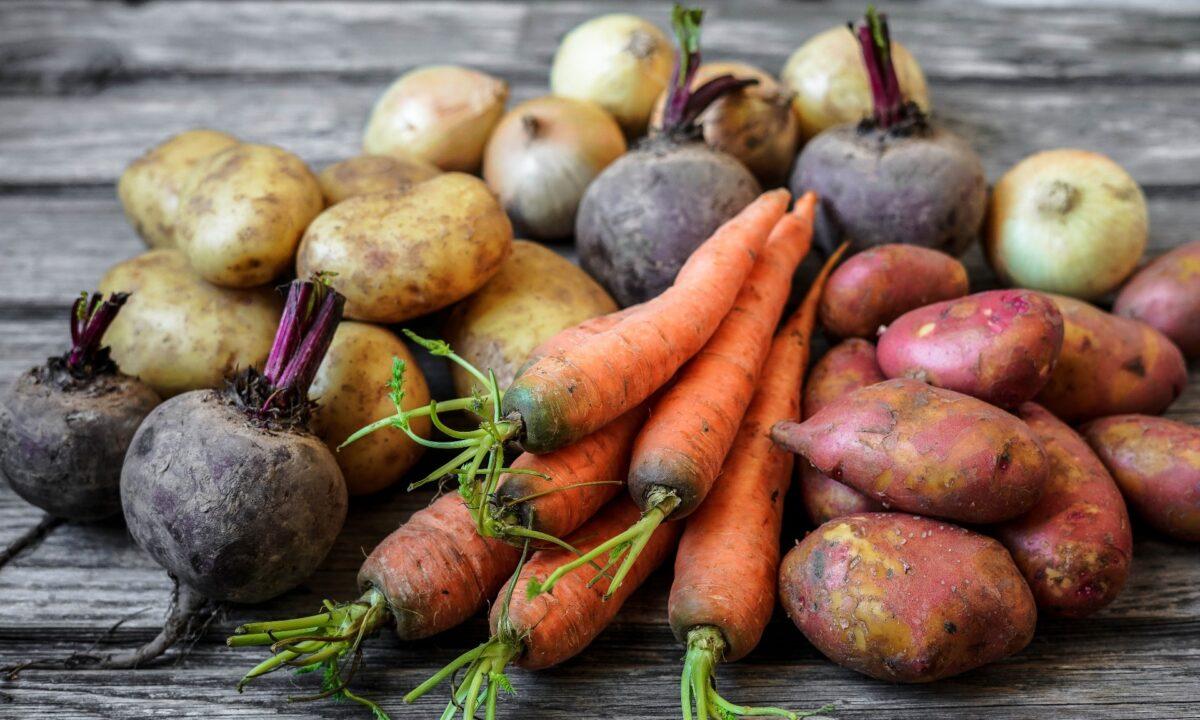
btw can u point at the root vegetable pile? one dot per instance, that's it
(230, 427)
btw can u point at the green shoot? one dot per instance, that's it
(626, 545)
(698, 688)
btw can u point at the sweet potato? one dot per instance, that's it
(924, 450)
(906, 599)
(1075, 546)
(1166, 295)
(845, 368)
(1110, 365)
(879, 285)
(998, 346)
(1156, 463)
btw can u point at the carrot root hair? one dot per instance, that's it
(698, 686)
(625, 547)
(318, 642)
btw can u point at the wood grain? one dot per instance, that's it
(85, 86)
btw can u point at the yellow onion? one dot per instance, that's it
(830, 82)
(754, 124)
(541, 158)
(442, 114)
(1065, 221)
(620, 61)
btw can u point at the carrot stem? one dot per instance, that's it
(629, 543)
(705, 648)
(315, 639)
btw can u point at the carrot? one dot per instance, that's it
(565, 396)
(679, 452)
(542, 631)
(548, 496)
(597, 379)
(429, 575)
(724, 589)
(576, 334)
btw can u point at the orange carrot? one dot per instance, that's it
(555, 493)
(565, 396)
(679, 452)
(542, 631)
(724, 589)
(429, 575)
(576, 334)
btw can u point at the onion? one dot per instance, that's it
(541, 158)
(831, 86)
(442, 114)
(754, 124)
(1070, 222)
(620, 61)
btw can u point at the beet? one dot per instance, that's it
(642, 217)
(228, 489)
(894, 177)
(65, 425)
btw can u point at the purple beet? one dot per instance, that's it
(895, 177)
(65, 425)
(228, 489)
(642, 217)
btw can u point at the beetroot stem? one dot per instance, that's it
(302, 368)
(90, 318)
(687, 31)
(293, 323)
(875, 40)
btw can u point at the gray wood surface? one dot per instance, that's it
(85, 86)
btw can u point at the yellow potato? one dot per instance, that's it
(536, 293)
(829, 78)
(149, 188)
(440, 113)
(366, 174)
(400, 255)
(242, 213)
(178, 332)
(351, 390)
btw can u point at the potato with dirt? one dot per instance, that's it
(535, 294)
(367, 174)
(149, 188)
(880, 284)
(1074, 547)
(242, 212)
(177, 332)
(350, 389)
(1110, 365)
(1166, 295)
(906, 599)
(1156, 463)
(846, 367)
(396, 256)
(925, 450)
(999, 346)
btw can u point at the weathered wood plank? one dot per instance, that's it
(52, 141)
(79, 45)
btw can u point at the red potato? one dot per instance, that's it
(845, 368)
(906, 599)
(1156, 463)
(1075, 546)
(1166, 295)
(999, 346)
(924, 450)
(1110, 365)
(882, 283)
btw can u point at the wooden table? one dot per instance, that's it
(86, 86)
